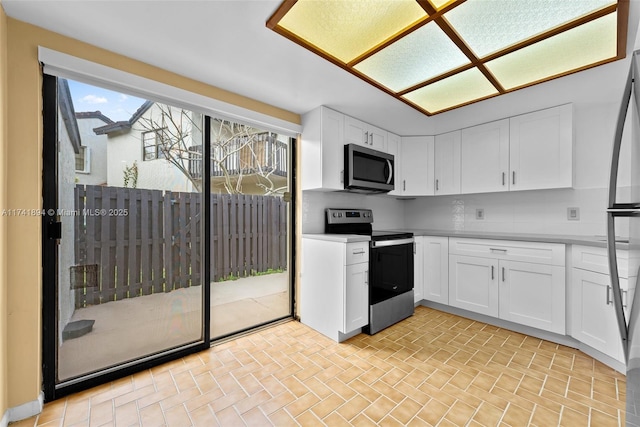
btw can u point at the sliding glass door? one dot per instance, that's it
(150, 252)
(250, 222)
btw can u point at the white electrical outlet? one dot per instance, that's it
(480, 214)
(573, 214)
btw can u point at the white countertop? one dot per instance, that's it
(567, 239)
(341, 238)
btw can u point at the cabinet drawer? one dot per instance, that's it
(595, 259)
(357, 252)
(534, 252)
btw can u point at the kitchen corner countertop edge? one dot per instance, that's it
(567, 239)
(340, 238)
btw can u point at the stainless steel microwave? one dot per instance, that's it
(367, 171)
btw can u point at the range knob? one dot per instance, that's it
(335, 214)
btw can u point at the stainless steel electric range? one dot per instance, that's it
(390, 266)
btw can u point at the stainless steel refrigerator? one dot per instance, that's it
(623, 219)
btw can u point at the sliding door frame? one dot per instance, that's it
(50, 234)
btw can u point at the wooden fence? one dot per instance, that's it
(134, 242)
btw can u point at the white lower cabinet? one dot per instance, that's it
(334, 289)
(473, 285)
(533, 295)
(356, 313)
(594, 316)
(435, 269)
(418, 268)
(503, 284)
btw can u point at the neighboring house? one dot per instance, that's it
(140, 140)
(166, 144)
(91, 161)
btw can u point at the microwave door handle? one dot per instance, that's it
(390, 171)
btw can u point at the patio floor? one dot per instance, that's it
(133, 328)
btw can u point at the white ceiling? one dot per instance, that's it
(226, 44)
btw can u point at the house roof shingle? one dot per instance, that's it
(124, 125)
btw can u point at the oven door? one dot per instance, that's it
(390, 269)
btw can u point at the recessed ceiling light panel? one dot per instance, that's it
(453, 91)
(436, 55)
(580, 47)
(488, 26)
(418, 57)
(345, 29)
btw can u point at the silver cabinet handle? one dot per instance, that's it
(513, 177)
(366, 137)
(503, 176)
(608, 297)
(366, 277)
(492, 275)
(404, 185)
(494, 250)
(371, 138)
(624, 298)
(342, 176)
(358, 253)
(437, 185)
(414, 248)
(503, 274)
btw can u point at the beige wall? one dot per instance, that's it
(3, 230)
(23, 190)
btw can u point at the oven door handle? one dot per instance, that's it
(396, 242)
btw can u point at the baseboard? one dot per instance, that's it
(24, 411)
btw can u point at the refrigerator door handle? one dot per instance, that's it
(611, 216)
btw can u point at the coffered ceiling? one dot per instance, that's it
(436, 55)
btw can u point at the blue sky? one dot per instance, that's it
(116, 106)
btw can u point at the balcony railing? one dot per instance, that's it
(245, 155)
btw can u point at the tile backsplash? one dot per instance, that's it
(539, 212)
(388, 213)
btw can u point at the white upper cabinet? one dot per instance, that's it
(485, 158)
(541, 149)
(322, 150)
(361, 133)
(417, 163)
(447, 163)
(393, 148)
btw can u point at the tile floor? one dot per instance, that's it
(431, 369)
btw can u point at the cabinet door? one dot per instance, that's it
(436, 269)
(356, 308)
(417, 166)
(393, 148)
(594, 316)
(541, 149)
(533, 295)
(473, 284)
(361, 133)
(485, 158)
(354, 132)
(447, 163)
(377, 138)
(322, 150)
(418, 268)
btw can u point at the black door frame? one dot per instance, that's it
(50, 234)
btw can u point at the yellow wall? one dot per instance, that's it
(24, 167)
(3, 231)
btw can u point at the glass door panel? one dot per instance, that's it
(250, 220)
(129, 197)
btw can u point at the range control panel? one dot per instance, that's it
(349, 216)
